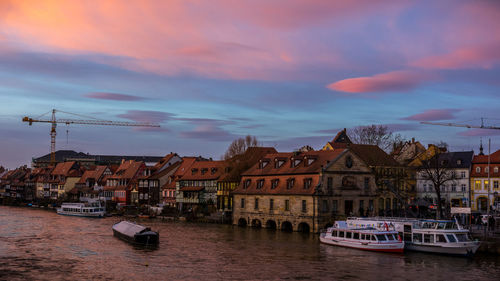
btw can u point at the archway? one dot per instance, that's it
(270, 224)
(242, 222)
(287, 226)
(256, 223)
(303, 227)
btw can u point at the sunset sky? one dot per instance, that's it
(290, 72)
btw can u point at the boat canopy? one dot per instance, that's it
(128, 228)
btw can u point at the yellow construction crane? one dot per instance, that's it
(482, 126)
(90, 121)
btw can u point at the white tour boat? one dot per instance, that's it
(369, 239)
(433, 236)
(91, 209)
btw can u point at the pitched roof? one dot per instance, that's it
(494, 158)
(309, 162)
(128, 169)
(341, 140)
(63, 168)
(205, 170)
(373, 155)
(240, 163)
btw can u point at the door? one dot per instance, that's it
(348, 207)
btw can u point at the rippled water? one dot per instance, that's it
(41, 245)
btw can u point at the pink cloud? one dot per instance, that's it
(433, 115)
(385, 82)
(471, 57)
(113, 96)
(479, 133)
(146, 116)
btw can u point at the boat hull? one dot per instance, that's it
(77, 214)
(375, 247)
(461, 249)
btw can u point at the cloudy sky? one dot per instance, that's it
(290, 72)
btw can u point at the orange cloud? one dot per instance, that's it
(385, 82)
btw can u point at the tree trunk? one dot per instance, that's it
(439, 213)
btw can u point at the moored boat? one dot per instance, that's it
(89, 209)
(369, 239)
(432, 236)
(136, 233)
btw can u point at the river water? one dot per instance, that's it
(41, 245)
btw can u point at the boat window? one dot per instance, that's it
(417, 237)
(391, 237)
(348, 235)
(407, 228)
(373, 238)
(451, 225)
(451, 238)
(429, 238)
(335, 233)
(341, 234)
(461, 237)
(355, 235)
(442, 225)
(362, 236)
(381, 237)
(440, 238)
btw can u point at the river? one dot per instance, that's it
(41, 245)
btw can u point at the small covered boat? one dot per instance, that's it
(369, 239)
(136, 234)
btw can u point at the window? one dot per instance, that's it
(440, 238)
(307, 183)
(274, 183)
(242, 204)
(296, 162)
(310, 161)
(203, 170)
(453, 187)
(290, 183)
(495, 184)
(329, 183)
(260, 184)
(429, 238)
(461, 237)
(271, 204)
(425, 187)
(355, 235)
(462, 174)
(487, 169)
(263, 163)
(278, 163)
(381, 237)
(451, 238)
(194, 171)
(495, 170)
(304, 206)
(417, 237)
(459, 162)
(256, 205)
(367, 182)
(477, 185)
(478, 169)
(341, 234)
(213, 170)
(373, 238)
(324, 206)
(486, 185)
(348, 235)
(464, 187)
(334, 206)
(287, 205)
(247, 183)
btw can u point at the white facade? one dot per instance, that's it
(456, 192)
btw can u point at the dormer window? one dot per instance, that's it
(213, 170)
(310, 161)
(307, 183)
(495, 170)
(459, 162)
(278, 163)
(478, 169)
(487, 169)
(247, 183)
(260, 184)
(274, 183)
(290, 183)
(204, 171)
(296, 162)
(263, 163)
(194, 171)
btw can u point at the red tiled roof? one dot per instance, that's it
(494, 158)
(128, 169)
(373, 155)
(164, 160)
(205, 170)
(63, 168)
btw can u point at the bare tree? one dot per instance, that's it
(437, 171)
(379, 135)
(240, 145)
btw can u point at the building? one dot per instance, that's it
(121, 187)
(91, 184)
(169, 188)
(63, 178)
(453, 169)
(153, 178)
(482, 177)
(196, 190)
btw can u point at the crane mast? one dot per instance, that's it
(92, 121)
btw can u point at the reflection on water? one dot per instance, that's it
(41, 245)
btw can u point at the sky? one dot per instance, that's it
(291, 73)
